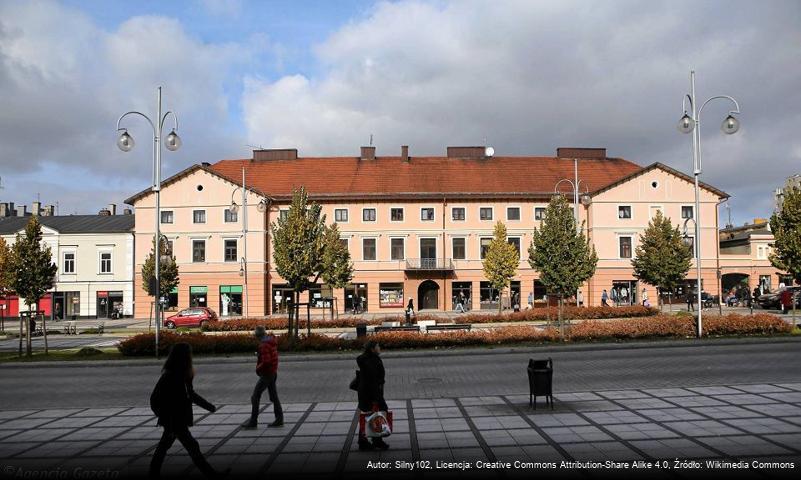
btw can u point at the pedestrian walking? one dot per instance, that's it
(615, 296)
(267, 370)
(410, 308)
(690, 303)
(371, 391)
(645, 298)
(460, 303)
(604, 298)
(171, 401)
(580, 298)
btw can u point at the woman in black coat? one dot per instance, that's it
(171, 401)
(371, 390)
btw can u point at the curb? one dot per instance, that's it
(455, 352)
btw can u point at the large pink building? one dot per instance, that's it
(416, 227)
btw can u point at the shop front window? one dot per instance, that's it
(356, 298)
(390, 295)
(198, 296)
(230, 300)
(462, 293)
(489, 296)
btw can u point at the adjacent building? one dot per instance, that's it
(416, 226)
(94, 254)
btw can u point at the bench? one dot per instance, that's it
(449, 326)
(406, 328)
(70, 328)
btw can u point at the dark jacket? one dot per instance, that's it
(172, 401)
(371, 382)
(267, 360)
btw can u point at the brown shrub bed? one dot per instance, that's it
(538, 314)
(658, 326)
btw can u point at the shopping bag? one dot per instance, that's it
(377, 425)
(364, 423)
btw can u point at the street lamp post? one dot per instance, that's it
(125, 142)
(261, 207)
(576, 185)
(691, 122)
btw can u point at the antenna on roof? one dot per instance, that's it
(1, 183)
(371, 139)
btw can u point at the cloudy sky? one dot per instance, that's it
(523, 76)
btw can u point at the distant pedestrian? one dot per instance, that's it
(171, 401)
(604, 298)
(410, 307)
(690, 304)
(645, 298)
(267, 370)
(371, 391)
(615, 296)
(580, 298)
(460, 303)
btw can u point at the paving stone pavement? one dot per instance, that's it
(436, 438)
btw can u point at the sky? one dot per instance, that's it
(523, 76)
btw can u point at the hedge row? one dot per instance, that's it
(538, 314)
(659, 326)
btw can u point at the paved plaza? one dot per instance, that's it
(750, 422)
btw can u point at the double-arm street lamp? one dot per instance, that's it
(125, 142)
(576, 184)
(691, 123)
(261, 207)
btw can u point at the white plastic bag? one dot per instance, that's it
(377, 425)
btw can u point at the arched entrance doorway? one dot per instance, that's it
(428, 295)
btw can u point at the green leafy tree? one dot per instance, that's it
(662, 258)
(337, 267)
(305, 250)
(33, 270)
(786, 227)
(169, 277)
(560, 252)
(501, 261)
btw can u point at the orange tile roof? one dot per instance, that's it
(390, 176)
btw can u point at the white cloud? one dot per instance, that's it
(64, 81)
(531, 76)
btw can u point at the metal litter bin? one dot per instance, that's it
(361, 330)
(540, 381)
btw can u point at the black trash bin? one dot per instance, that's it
(540, 381)
(361, 330)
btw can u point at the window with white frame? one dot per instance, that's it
(166, 216)
(539, 213)
(105, 262)
(396, 214)
(198, 216)
(513, 213)
(230, 250)
(231, 216)
(368, 249)
(368, 214)
(198, 251)
(485, 243)
(69, 262)
(397, 248)
(427, 214)
(625, 246)
(624, 211)
(457, 214)
(341, 215)
(345, 243)
(485, 213)
(458, 250)
(283, 214)
(762, 252)
(686, 211)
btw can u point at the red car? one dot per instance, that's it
(191, 317)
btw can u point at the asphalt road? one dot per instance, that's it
(424, 375)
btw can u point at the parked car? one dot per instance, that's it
(772, 300)
(191, 317)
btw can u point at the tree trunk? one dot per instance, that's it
(20, 334)
(28, 340)
(670, 302)
(44, 330)
(560, 319)
(500, 302)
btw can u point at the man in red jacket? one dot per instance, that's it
(267, 370)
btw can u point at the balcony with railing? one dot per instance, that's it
(429, 264)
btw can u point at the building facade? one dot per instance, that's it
(416, 227)
(94, 254)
